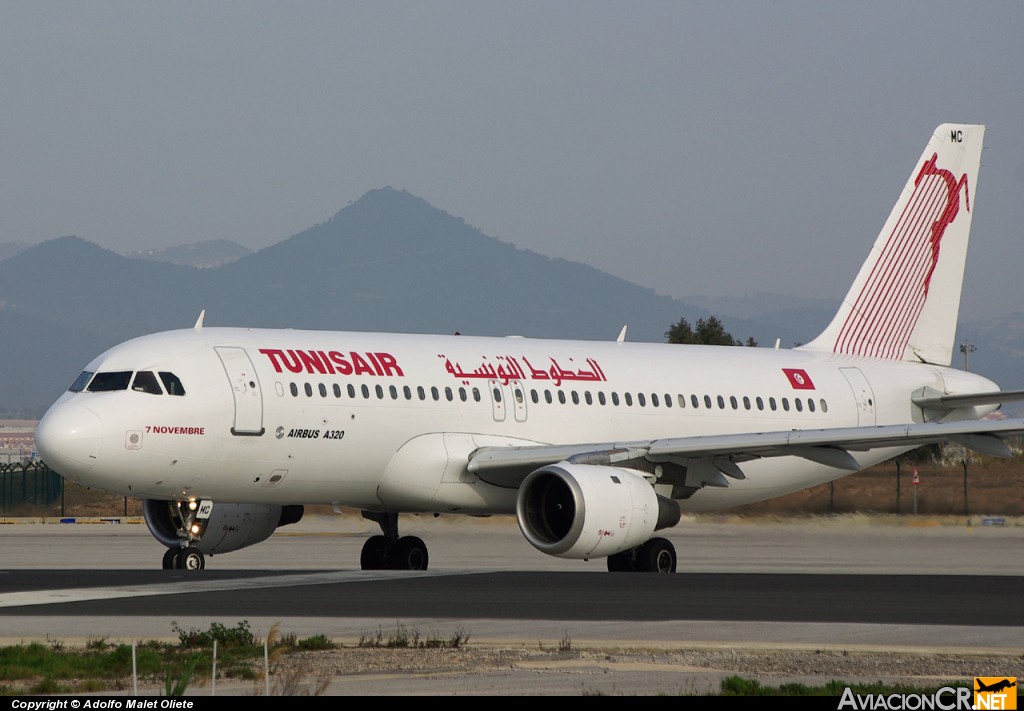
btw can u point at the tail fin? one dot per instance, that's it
(905, 300)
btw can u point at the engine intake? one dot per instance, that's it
(588, 511)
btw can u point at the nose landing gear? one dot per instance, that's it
(190, 518)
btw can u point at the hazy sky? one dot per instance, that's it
(719, 148)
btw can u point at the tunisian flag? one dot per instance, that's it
(798, 378)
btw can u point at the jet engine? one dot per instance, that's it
(229, 528)
(589, 511)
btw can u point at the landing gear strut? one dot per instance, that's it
(657, 555)
(190, 517)
(389, 551)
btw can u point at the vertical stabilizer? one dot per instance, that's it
(905, 300)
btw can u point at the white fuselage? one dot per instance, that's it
(387, 421)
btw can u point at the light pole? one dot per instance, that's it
(967, 348)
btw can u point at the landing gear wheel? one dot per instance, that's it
(190, 559)
(624, 562)
(410, 553)
(658, 555)
(374, 554)
(171, 558)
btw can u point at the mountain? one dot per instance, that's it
(9, 249)
(388, 262)
(210, 253)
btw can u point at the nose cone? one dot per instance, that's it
(68, 438)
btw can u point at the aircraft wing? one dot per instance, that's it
(506, 466)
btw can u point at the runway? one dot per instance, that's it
(857, 580)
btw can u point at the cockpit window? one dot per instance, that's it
(171, 383)
(81, 381)
(145, 382)
(105, 382)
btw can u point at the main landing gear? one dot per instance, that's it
(657, 555)
(190, 524)
(389, 551)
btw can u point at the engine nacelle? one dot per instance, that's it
(589, 511)
(229, 528)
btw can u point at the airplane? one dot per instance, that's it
(227, 433)
(998, 686)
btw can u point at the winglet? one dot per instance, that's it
(622, 335)
(199, 321)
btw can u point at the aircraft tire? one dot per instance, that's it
(658, 555)
(624, 562)
(374, 554)
(171, 558)
(190, 559)
(410, 553)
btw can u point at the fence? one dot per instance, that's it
(28, 485)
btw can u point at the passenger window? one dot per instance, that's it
(145, 382)
(497, 394)
(654, 399)
(352, 391)
(448, 394)
(600, 398)
(824, 405)
(309, 390)
(420, 392)
(771, 404)
(434, 393)
(106, 382)
(380, 391)
(575, 398)
(810, 404)
(561, 396)
(785, 404)
(799, 404)
(393, 392)
(760, 403)
(81, 381)
(732, 402)
(629, 399)
(721, 402)
(366, 391)
(707, 401)
(462, 394)
(407, 391)
(694, 401)
(641, 400)
(476, 394)
(295, 389)
(668, 400)
(323, 390)
(682, 401)
(588, 397)
(615, 399)
(518, 392)
(547, 396)
(534, 396)
(337, 390)
(746, 402)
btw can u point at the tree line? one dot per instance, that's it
(708, 332)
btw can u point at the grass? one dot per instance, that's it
(410, 637)
(99, 665)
